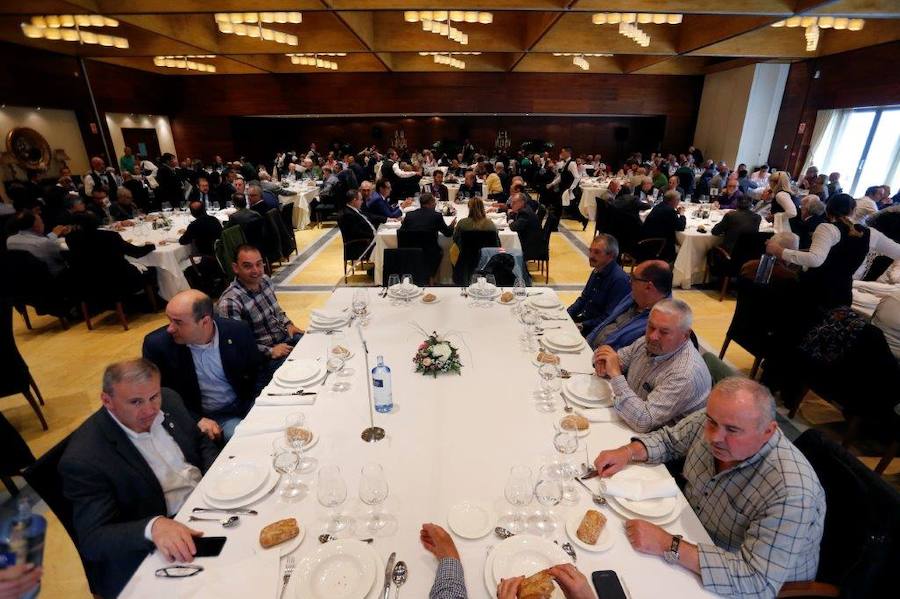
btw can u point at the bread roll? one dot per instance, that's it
(278, 532)
(298, 434)
(428, 298)
(591, 526)
(575, 421)
(536, 586)
(547, 358)
(506, 297)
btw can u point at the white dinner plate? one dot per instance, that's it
(559, 348)
(282, 386)
(544, 301)
(563, 339)
(587, 404)
(590, 388)
(489, 291)
(235, 479)
(470, 519)
(298, 371)
(331, 324)
(604, 541)
(271, 480)
(342, 569)
(524, 555)
(629, 515)
(329, 315)
(659, 507)
(400, 292)
(492, 586)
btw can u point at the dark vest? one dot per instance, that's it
(566, 178)
(831, 284)
(110, 183)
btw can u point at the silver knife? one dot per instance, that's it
(241, 511)
(388, 571)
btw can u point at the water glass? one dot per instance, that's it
(286, 460)
(519, 491)
(565, 440)
(520, 292)
(298, 435)
(550, 385)
(332, 492)
(373, 491)
(336, 358)
(530, 319)
(549, 493)
(360, 306)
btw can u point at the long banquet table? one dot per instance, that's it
(386, 238)
(448, 439)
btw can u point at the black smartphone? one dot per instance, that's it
(607, 585)
(209, 546)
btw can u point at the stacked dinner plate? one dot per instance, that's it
(522, 555)
(342, 569)
(238, 482)
(329, 319)
(404, 291)
(661, 510)
(544, 302)
(588, 391)
(299, 373)
(562, 341)
(483, 290)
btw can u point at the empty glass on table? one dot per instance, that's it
(285, 461)
(373, 491)
(519, 491)
(331, 492)
(565, 441)
(549, 386)
(298, 435)
(548, 492)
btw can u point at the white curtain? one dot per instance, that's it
(824, 121)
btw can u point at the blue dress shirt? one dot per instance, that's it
(603, 292)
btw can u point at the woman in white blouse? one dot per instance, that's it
(838, 254)
(783, 207)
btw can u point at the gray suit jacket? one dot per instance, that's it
(733, 224)
(114, 493)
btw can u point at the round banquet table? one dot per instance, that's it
(449, 439)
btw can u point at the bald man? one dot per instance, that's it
(757, 496)
(212, 362)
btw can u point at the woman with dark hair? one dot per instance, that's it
(837, 253)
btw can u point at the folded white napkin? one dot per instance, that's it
(639, 490)
(285, 400)
(256, 576)
(329, 315)
(259, 426)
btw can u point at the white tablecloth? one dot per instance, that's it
(386, 238)
(449, 439)
(305, 194)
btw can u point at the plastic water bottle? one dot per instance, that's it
(381, 386)
(22, 541)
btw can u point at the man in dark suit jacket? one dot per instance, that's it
(736, 222)
(663, 221)
(427, 219)
(202, 231)
(524, 221)
(169, 189)
(213, 363)
(355, 225)
(126, 470)
(244, 215)
(201, 191)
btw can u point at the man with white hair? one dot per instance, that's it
(754, 492)
(660, 378)
(812, 214)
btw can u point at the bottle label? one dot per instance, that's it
(7, 559)
(377, 383)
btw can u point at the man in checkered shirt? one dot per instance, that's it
(755, 493)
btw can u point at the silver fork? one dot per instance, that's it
(286, 578)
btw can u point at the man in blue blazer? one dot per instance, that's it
(212, 362)
(127, 470)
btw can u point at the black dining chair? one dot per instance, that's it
(470, 244)
(287, 230)
(860, 547)
(405, 261)
(16, 376)
(16, 455)
(29, 283)
(427, 241)
(727, 265)
(541, 253)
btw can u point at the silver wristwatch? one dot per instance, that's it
(671, 556)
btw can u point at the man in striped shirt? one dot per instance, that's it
(661, 377)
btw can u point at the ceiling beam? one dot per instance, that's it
(537, 30)
(362, 26)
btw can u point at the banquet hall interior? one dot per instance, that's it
(305, 178)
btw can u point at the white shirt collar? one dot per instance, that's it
(133, 435)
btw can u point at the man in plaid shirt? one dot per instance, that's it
(755, 493)
(251, 298)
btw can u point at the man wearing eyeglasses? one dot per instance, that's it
(126, 470)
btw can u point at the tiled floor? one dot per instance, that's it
(67, 365)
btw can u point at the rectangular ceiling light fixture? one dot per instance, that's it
(186, 62)
(249, 24)
(68, 28)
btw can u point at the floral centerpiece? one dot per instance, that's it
(436, 355)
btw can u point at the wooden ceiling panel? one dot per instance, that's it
(465, 4)
(678, 65)
(776, 7)
(575, 32)
(205, 6)
(539, 62)
(411, 61)
(224, 66)
(354, 62)
(860, 8)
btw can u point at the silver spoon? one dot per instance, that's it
(229, 522)
(503, 533)
(326, 538)
(598, 498)
(568, 409)
(399, 575)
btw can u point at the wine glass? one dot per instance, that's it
(550, 384)
(519, 491)
(548, 491)
(530, 319)
(393, 282)
(298, 435)
(565, 440)
(336, 357)
(331, 493)
(360, 306)
(373, 491)
(520, 292)
(285, 460)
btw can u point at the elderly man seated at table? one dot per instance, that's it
(731, 195)
(607, 286)
(651, 281)
(437, 188)
(450, 582)
(98, 205)
(258, 201)
(211, 362)
(812, 214)
(251, 298)
(428, 220)
(356, 226)
(524, 222)
(757, 496)
(127, 470)
(469, 188)
(661, 377)
(666, 219)
(737, 222)
(30, 238)
(242, 215)
(123, 209)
